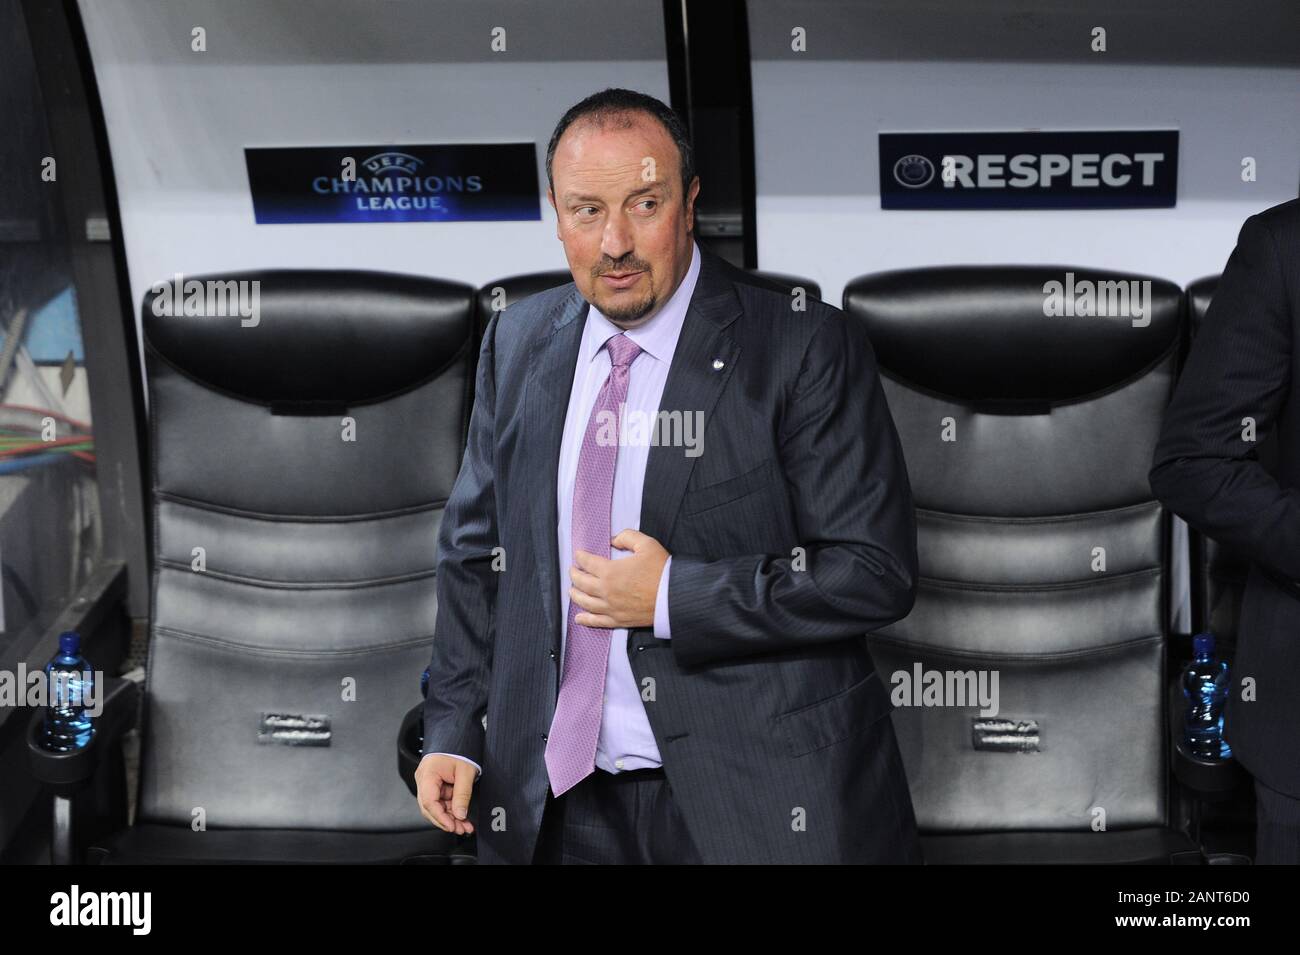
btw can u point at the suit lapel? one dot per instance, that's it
(546, 403)
(692, 387)
(702, 365)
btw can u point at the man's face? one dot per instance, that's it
(620, 210)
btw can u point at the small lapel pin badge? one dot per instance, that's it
(718, 364)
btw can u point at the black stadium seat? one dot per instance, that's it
(1043, 558)
(279, 672)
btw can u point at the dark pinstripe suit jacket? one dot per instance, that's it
(766, 707)
(1245, 363)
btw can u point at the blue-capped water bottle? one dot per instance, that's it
(70, 683)
(1205, 688)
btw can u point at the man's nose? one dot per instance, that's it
(616, 244)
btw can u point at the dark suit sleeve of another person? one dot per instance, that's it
(467, 585)
(852, 504)
(1239, 367)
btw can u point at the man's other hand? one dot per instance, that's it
(618, 592)
(444, 785)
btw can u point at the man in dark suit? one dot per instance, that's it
(1239, 386)
(649, 645)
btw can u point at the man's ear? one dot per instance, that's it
(690, 203)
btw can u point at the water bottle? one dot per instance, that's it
(70, 683)
(1205, 686)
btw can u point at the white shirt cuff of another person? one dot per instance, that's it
(661, 605)
(454, 756)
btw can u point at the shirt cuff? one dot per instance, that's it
(662, 630)
(454, 756)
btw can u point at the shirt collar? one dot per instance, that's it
(657, 336)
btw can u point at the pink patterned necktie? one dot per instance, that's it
(575, 728)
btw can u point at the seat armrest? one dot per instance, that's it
(67, 773)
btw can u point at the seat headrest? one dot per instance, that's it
(499, 295)
(300, 338)
(1015, 336)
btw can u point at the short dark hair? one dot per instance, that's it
(606, 106)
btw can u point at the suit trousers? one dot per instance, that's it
(1277, 827)
(626, 818)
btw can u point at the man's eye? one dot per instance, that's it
(651, 201)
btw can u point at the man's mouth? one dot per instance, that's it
(620, 279)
